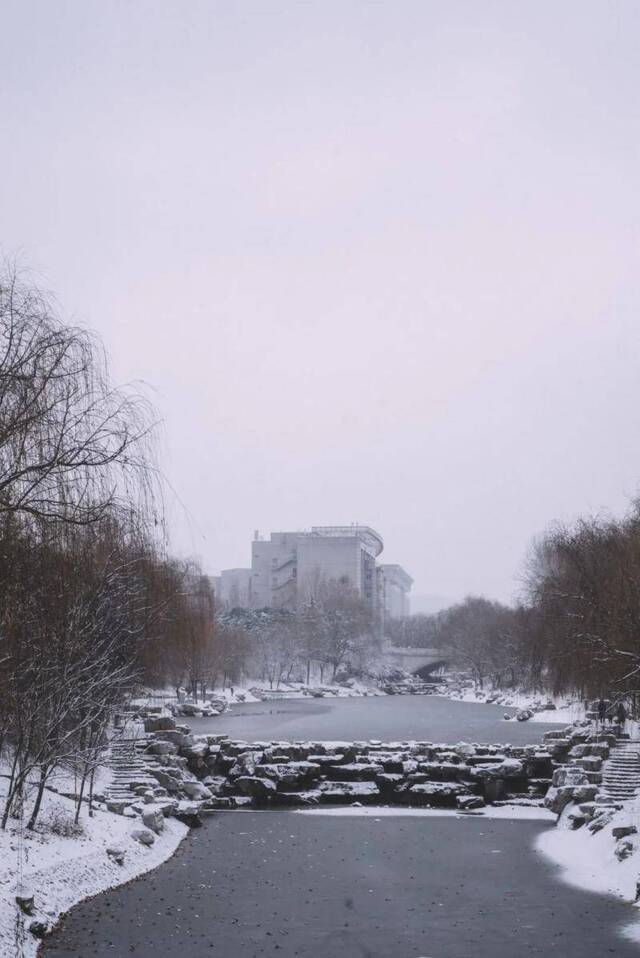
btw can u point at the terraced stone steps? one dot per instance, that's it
(621, 772)
(130, 770)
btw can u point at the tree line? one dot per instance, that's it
(577, 627)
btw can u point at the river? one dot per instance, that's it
(289, 885)
(421, 717)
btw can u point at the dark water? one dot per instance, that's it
(426, 717)
(283, 885)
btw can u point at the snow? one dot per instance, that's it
(510, 812)
(62, 871)
(565, 713)
(588, 861)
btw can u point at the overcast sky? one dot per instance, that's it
(378, 260)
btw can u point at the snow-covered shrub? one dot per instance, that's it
(60, 822)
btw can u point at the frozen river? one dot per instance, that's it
(286, 885)
(289, 885)
(422, 717)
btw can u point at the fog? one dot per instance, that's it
(376, 261)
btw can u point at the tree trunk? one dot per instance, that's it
(44, 771)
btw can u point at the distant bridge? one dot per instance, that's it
(420, 662)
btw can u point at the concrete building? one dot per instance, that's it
(232, 589)
(288, 567)
(396, 586)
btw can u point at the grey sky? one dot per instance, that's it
(379, 260)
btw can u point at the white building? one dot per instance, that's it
(288, 568)
(396, 586)
(233, 589)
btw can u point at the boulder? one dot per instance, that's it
(39, 929)
(259, 788)
(435, 793)
(523, 715)
(245, 764)
(161, 723)
(196, 791)
(293, 799)
(170, 782)
(624, 848)
(346, 792)
(189, 814)
(569, 775)
(600, 820)
(173, 735)
(116, 854)
(441, 771)
(26, 902)
(621, 831)
(153, 818)
(143, 836)
(469, 802)
(196, 751)
(354, 771)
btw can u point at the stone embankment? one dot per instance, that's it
(600, 772)
(194, 774)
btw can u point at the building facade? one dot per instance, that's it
(232, 589)
(288, 568)
(396, 586)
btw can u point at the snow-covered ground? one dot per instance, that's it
(588, 861)
(61, 871)
(565, 712)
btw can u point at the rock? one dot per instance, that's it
(441, 771)
(170, 782)
(289, 773)
(26, 902)
(468, 802)
(143, 836)
(214, 783)
(621, 831)
(557, 798)
(523, 715)
(160, 723)
(153, 818)
(435, 793)
(129, 812)
(506, 716)
(576, 820)
(162, 748)
(196, 751)
(39, 929)
(245, 764)
(174, 735)
(117, 805)
(344, 792)
(116, 854)
(624, 848)
(569, 775)
(196, 791)
(354, 771)
(260, 788)
(288, 799)
(189, 814)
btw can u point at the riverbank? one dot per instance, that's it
(548, 709)
(599, 862)
(60, 866)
